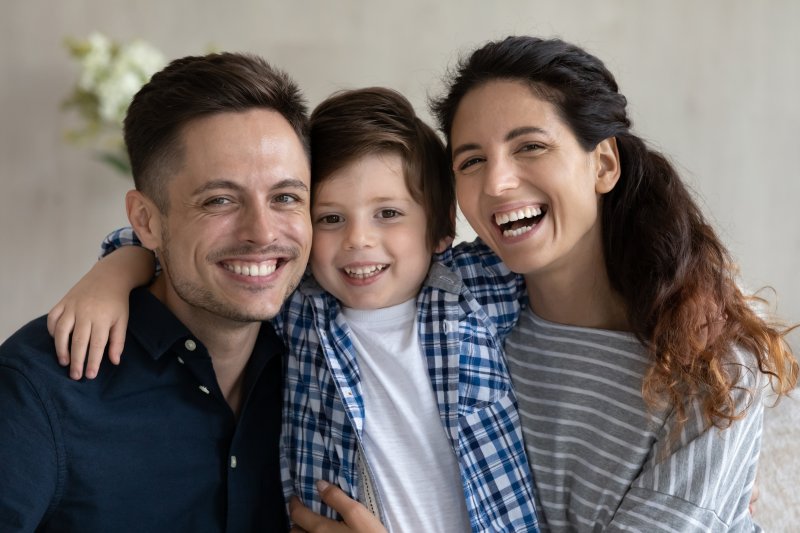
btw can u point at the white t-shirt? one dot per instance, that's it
(415, 469)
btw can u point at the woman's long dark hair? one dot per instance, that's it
(664, 259)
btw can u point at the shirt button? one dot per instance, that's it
(233, 461)
(446, 327)
(190, 345)
(204, 389)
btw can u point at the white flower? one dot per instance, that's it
(111, 74)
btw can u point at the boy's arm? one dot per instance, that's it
(498, 290)
(95, 311)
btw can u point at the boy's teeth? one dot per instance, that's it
(252, 269)
(519, 214)
(363, 272)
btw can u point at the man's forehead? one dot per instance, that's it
(255, 147)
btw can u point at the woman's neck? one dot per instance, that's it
(578, 295)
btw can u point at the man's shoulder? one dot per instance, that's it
(31, 349)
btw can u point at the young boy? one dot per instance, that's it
(396, 386)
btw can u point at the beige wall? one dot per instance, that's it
(714, 84)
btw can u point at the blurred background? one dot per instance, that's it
(712, 84)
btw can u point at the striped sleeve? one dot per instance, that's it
(703, 482)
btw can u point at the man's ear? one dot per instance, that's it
(608, 168)
(145, 218)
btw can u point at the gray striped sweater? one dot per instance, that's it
(601, 461)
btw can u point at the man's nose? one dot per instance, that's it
(258, 225)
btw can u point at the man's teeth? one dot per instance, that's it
(519, 214)
(363, 272)
(252, 269)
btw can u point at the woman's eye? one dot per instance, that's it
(469, 162)
(389, 213)
(531, 147)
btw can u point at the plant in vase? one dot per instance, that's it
(110, 74)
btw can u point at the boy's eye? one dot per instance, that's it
(330, 219)
(389, 213)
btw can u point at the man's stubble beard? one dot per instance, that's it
(201, 297)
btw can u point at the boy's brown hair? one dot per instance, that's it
(356, 123)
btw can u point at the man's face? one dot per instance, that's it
(236, 237)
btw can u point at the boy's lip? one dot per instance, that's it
(361, 271)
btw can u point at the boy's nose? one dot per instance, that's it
(359, 235)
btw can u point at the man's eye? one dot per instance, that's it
(389, 213)
(286, 198)
(218, 200)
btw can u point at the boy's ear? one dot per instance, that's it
(145, 219)
(445, 242)
(608, 168)
(443, 245)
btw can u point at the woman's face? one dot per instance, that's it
(525, 184)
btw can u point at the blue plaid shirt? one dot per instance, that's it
(469, 303)
(467, 306)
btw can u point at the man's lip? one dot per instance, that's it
(252, 267)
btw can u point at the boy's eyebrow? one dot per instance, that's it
(378, 199)
(516, 132)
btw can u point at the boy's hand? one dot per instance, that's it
(357, 518)
(95, 311)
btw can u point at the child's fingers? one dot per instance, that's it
(80, 342)
(97, 346)
(62, 329)
(116, 341)
(52, 318)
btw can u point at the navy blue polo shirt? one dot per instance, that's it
(150, 445)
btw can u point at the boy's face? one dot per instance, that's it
(369, 248)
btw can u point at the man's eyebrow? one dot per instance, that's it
(516, 132)
(291, 183)
(217, 184)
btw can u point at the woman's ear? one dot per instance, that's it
(145, 219)
(608, 169)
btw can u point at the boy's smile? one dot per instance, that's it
(369, 247)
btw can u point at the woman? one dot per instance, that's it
(640, 366)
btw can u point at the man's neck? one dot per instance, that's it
(229, 342)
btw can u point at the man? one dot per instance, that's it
(183, 434)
